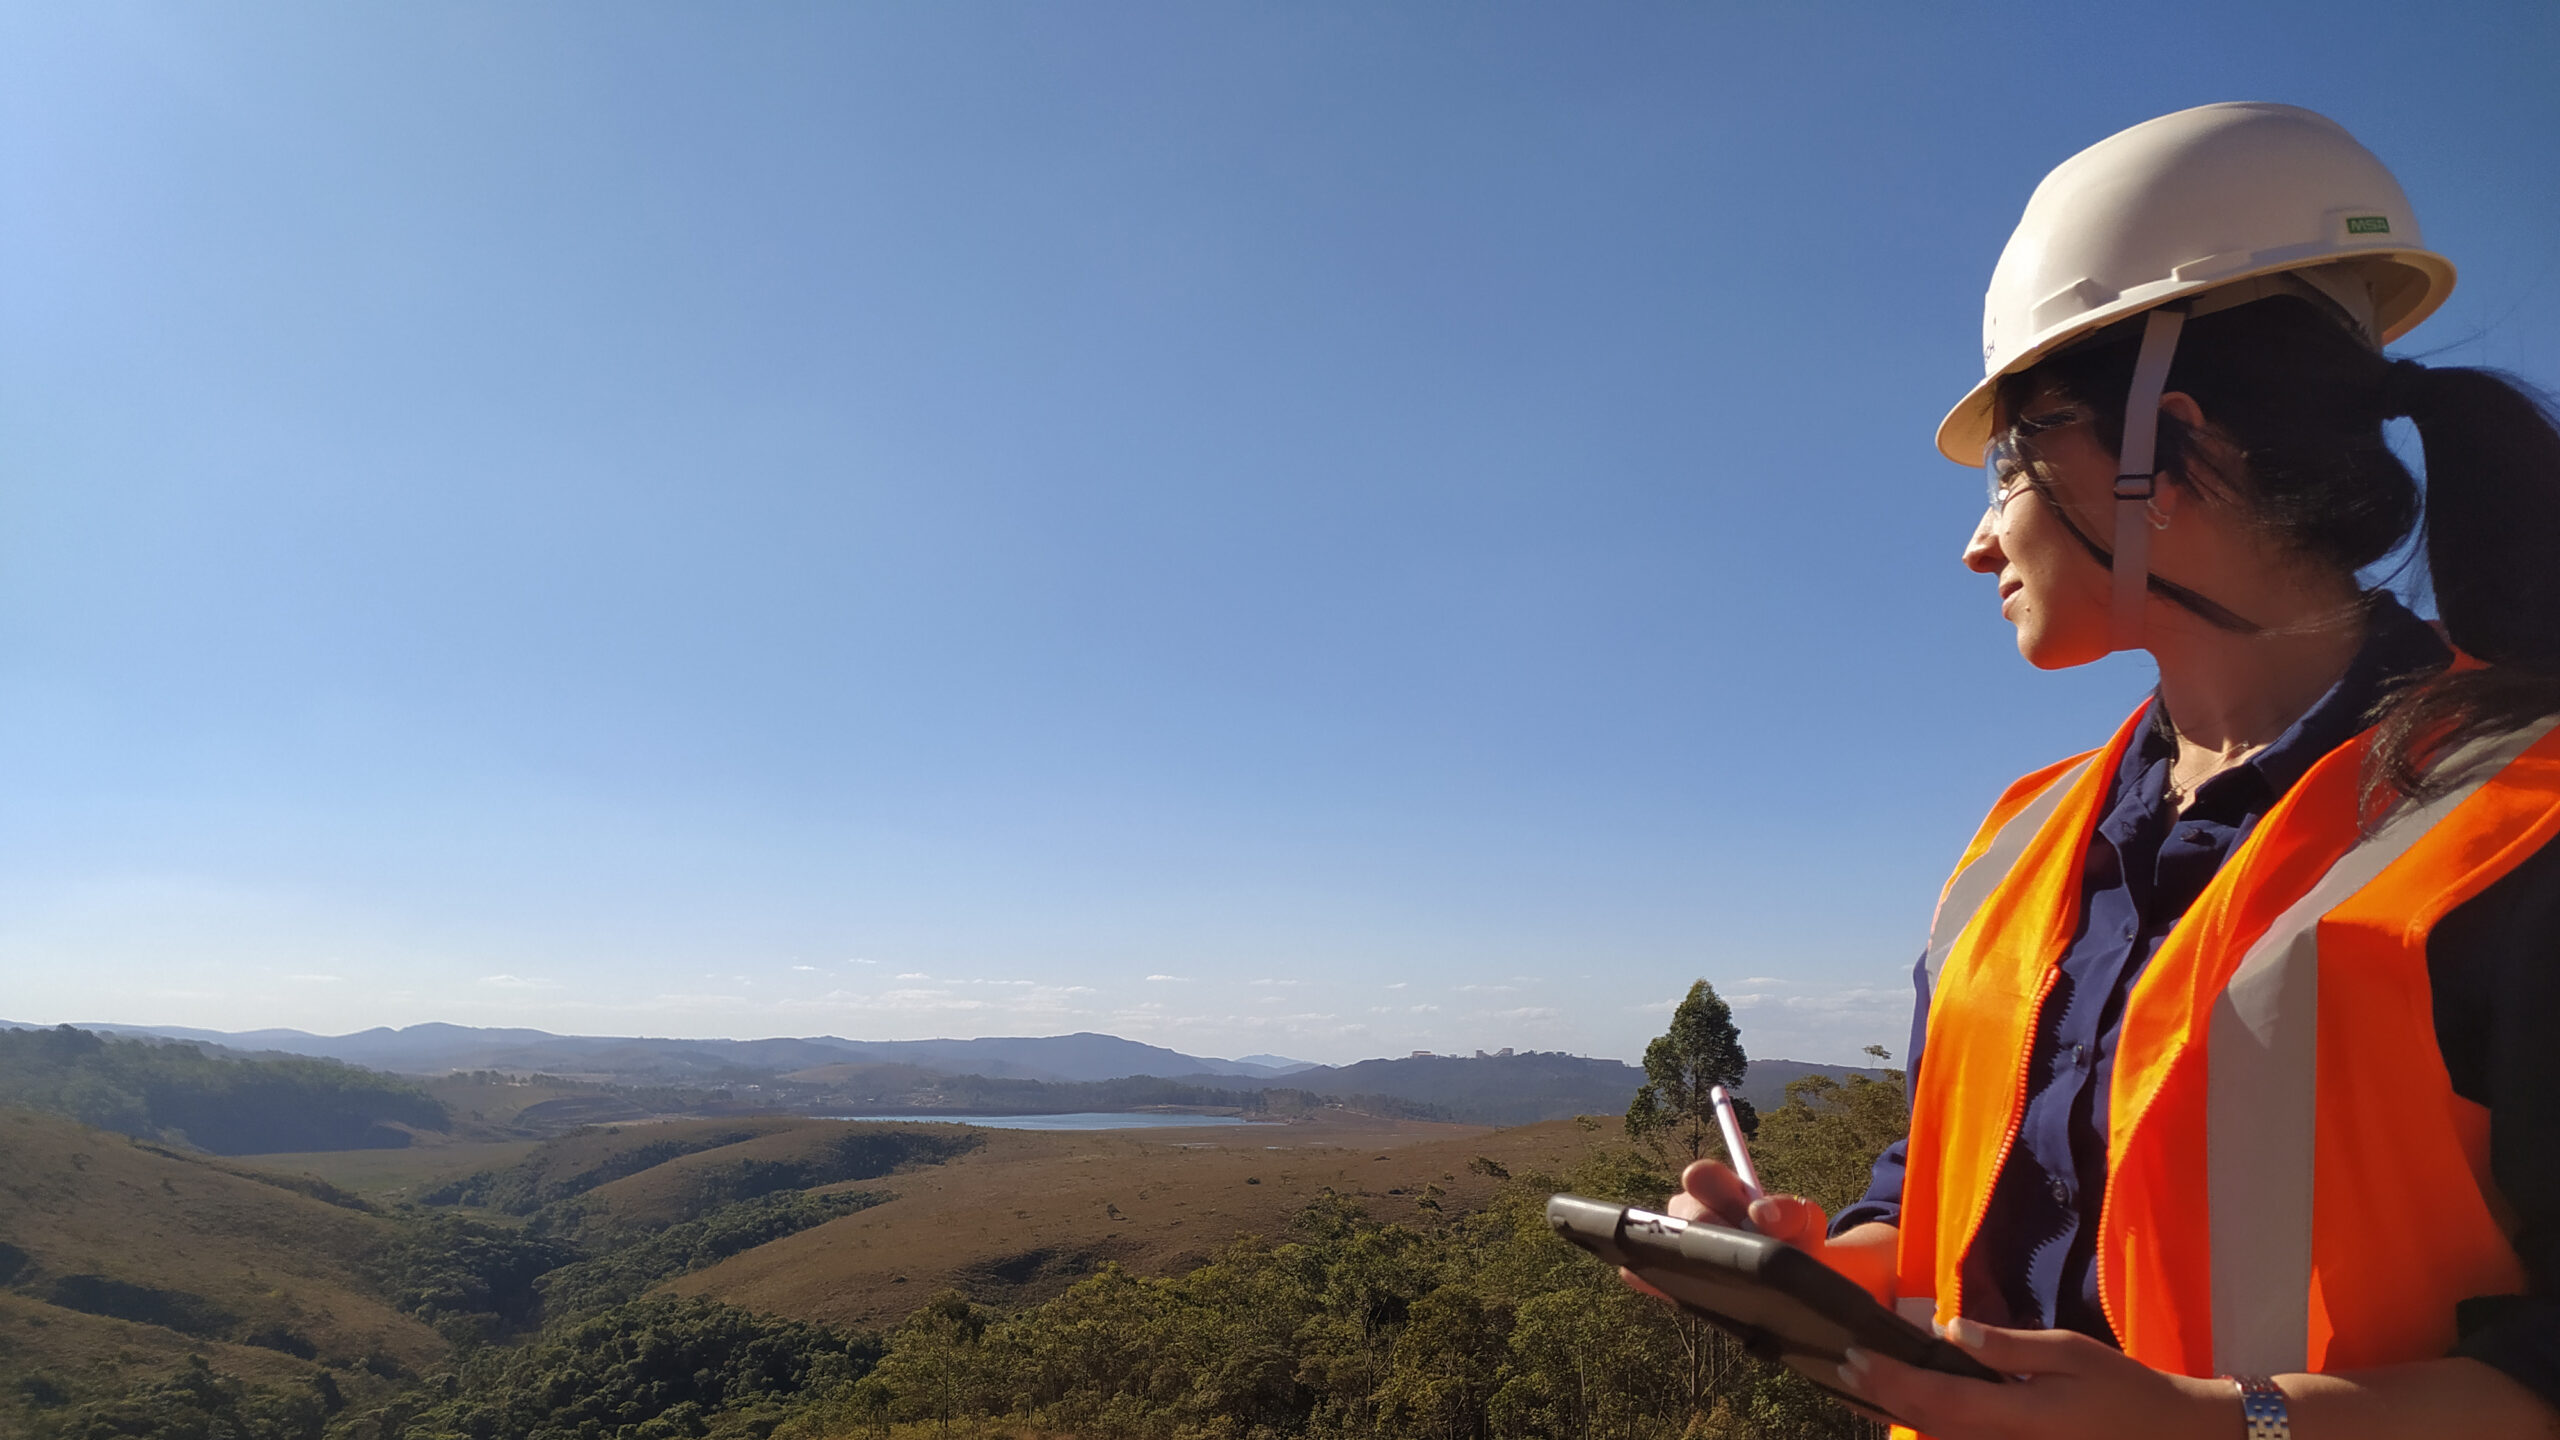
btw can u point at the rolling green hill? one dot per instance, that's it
(119, 1259)
(584, 1159)
(147, 1292)
(228, 1105)
(802, 1155)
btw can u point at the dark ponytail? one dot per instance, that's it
(2493, 554)
(2303, 402)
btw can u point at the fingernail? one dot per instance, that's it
(1853, 1368)
(1965, 1332)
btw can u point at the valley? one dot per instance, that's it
(498, 1257)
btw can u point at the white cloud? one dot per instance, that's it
(318, 979)
(1267, 981)
(804, 967)
(517, 982)
(1170, 979)
(1805, 1020)
(998, 1003)
(926, 1000)
(915, 975)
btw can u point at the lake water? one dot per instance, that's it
(1088, 1120)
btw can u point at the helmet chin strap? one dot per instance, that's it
(2140, 480)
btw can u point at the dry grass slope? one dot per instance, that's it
(389, 1176)
(835, 1154)
(488, 1106)
(584, 1160)
(1023, 1216)
(120, 1258)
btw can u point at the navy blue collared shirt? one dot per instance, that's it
(2033, 1260)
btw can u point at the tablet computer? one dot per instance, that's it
(1782, 1303)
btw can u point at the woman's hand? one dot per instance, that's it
(1864, 1253)
(2067, 1384)
(1711, 1192)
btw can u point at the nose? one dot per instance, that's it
(1982, 553)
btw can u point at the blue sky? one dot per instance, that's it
(1329, 529)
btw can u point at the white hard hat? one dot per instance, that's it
(2186, 207)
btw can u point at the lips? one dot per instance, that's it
(2009, 588)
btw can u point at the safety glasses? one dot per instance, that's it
(2006, 467)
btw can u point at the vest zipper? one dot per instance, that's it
(2107, 1194)
(2008, 1138)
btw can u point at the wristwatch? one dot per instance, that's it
(2262, 1412)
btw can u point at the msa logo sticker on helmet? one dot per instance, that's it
(2368, 224)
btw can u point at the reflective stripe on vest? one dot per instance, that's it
(2262, 1060)
(1989, 860)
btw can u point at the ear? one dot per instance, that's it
(2183, 405)
(2208, 450)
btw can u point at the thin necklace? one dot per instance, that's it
(2179, 794)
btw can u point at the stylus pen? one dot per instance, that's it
(1731, 1124)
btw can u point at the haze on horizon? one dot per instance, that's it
(1316, 530)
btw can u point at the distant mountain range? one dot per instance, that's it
(437, 1049)
(1501, 1089)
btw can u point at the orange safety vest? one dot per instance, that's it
(2292, 1183)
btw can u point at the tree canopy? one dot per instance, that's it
(1703, 1049)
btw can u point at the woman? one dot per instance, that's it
(2231, 1103)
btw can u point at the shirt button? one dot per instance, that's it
(2128, 930)
(2080, 1056)
(2061, 1191)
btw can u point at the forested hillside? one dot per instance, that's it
(1381, 1309)
(228, 1105)
(1476, 1326)
(1488, 1089)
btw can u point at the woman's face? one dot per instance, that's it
(2051, 588)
